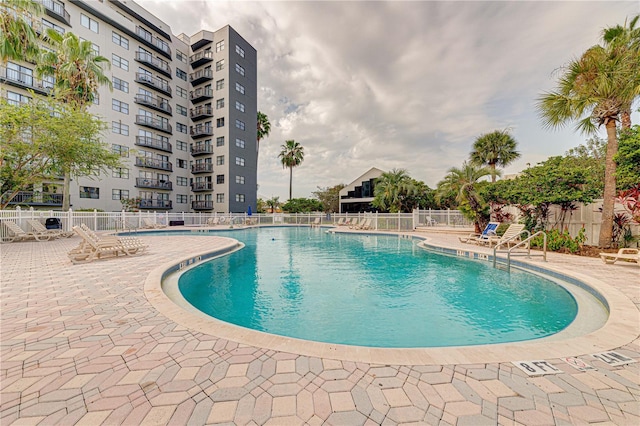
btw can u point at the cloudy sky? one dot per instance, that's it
(401, 84)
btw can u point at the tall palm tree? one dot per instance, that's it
(18, 39)
(264, 127)
(462, 181)
(594, 90)
(78, 72)
(497, 148)
(391, 190)
(291, 155)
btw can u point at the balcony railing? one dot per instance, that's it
(200, 131)
(201, 149)
(202, 186)
(56, 10)
(200, 58)
(200, 76)
(154, 184)
(202, 168)
(200, 112)
(154, 41)
(155, 204)
(202, 205)
(158, 104)
(26, 80)
(150, 142)
(153, 82)
(154, 164)
(154, 123)
(153, 62)
(37, 198)
(201, 94)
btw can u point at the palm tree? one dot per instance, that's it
(462, 181)
(18, 39)
(391, 190)
(497, 148)
(264, 127)
(291, 155)
(78, 72)
(595, 90)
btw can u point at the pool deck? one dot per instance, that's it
(83, 344)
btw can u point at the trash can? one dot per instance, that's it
(53, 223)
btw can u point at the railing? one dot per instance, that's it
(154, 184)
(199, 130)
(202, 57)
(154, 143)
(156, 63)
(201, 111)
(202, 168)
(57, 8)
(155, 204)
(153, 122)
(202, 186)
(154, 82)
(204, 92)
(518, 244)
(155, 41)
(25, 79)
(201, 75)
(154, 164)
(35, 197)
(200, 149)
(202, 205)
(153, 102)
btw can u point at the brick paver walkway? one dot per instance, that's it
(81, 344)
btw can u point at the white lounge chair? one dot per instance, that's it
(626, 255)
(340, 222)
(213, 221)
(39, 227)
(357, 225)
(488, 231)
(510, 236)
(19, 234)
(149, 224)
(365, 225)
(316, 222)
(94, 247)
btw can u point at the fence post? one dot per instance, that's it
(416, 215)
(398, 221)
(448, 216)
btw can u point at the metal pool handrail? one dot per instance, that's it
(526, 242)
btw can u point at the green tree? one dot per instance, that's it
(497, 148)
(18, 39)
(261, 206)
(591, 158)
(329, 197)
(273, 203)
(422, 197)
(464, 182)
(291, 155)
(391, 191)
(264, 127)
(595, 90)
(302, 205)
(628, 159)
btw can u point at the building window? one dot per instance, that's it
(220, 122)
(181, 146)
(239, 69)
(240, 198)
(240, 88)
(182, 181)
(240, 124)
(181, 56)
(17, 99)
(220, 65)
(181, 92)
(89, 192)
(181, 199)
(219, 198)
(240, 106)
(87, 22)
(181, 110)
(220, 103)
(120, 129)
(181, 74)
(120, 85)
(220, 179)
(120, 106)
(220, 160)
(119, 62)
(56, 28)
(220, 141)
(240, 51)
(240, 161)
(220, 84)
(120, 172)
(182, 128)
(240, 180)
(96, 98)
(181, 163)
(239, 143)
(120, 149)
(220, 46)
(119, 40)
(119, 194)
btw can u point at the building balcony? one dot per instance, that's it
(149, 142)
(200, 112)
(200, 131)
(153, 62)
(35, 198)
(202, 205)
(152, 102)
(56, 10)
(154, 184)
(154, 123)
(201, 94)
(202, 168)
(155, 204)
(201, 149)
(202, 186)
(201, 76)
(153, 83)
(200, 58)
(25, 80)
(154, 42)
(151, 163)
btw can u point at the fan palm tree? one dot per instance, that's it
(78, 72)
(264, 127)
(291, 155)
(391, 190)
(18, 39)
(497, 148)
(462, 181)
(595, 90)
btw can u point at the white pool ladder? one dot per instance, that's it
(523, 243)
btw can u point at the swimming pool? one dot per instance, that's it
(371, 290)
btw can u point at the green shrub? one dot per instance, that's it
(557, 240)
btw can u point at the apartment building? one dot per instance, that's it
(182, 112)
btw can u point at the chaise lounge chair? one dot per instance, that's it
(149, 224)
(93, 247)
(39, 227)
(315, 223)
(213, 221)
(510, 236)
(357, 225)
(626, 255)
(19, 234)
(365, 225)
(489, 230)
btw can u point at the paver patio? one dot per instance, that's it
(81, 344)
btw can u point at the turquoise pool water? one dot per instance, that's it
(371, 290)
